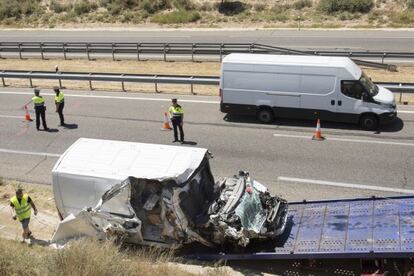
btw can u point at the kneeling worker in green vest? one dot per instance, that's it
(22, 205)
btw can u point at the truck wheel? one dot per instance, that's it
(369, 122)
(265, 115)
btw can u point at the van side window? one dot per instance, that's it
(352, 89)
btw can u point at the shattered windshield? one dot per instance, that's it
(250, 212)
(369, 86)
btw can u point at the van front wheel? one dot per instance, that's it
(265, 115)
(369, 122)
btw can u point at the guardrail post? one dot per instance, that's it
(138, 44)
(221, 52)
(123, 85)
(60, 81)
(64, 50)
(400, 93)
(20, 50)
(2, 80)
(87, 51)
(41, 50)
(165, 52)
(156, 84)
(30, 79)
(192, 86)
(192, 52)
(90, 82)
(250, 48)
(113, 52)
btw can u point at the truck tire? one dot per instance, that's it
(369, 122)
(265, 115)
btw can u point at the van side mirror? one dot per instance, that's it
(365, 97)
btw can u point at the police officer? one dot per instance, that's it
(22, 205)
(177, 119)
(60, 104)
(40, 109)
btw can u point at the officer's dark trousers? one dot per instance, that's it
(40, 112)
(176, 122)
(60, 112)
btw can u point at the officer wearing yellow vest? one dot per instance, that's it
(40, 109)
(22, 205)
(177, 120)
(60, 104)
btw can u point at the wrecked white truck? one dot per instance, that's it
(159, 195)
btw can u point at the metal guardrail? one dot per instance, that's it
(174, 49)
(109, 77)
(147, 78)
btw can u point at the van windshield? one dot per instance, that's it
(369, 86)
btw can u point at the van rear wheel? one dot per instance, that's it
(369, 122)
(265, 115)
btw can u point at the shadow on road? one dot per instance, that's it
(70, 126)
(395, 126)
(52, 130)
(191, 143)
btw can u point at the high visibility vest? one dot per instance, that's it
(176, 111)
(60, 98)
(23, 209)
(38, 101)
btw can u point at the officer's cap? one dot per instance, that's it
(174, 100)
(56, 89)
(37, 90)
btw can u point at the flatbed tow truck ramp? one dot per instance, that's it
(339, 229)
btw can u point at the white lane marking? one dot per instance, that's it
(9, 116)
(347, 140)
(345, 185)
(116, 97)
(137, 98)
(30, 153)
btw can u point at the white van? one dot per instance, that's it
(309, 87)
(159, 195)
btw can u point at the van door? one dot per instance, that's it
(349, 104)
(318, 94)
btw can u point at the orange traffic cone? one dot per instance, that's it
(27, 115)
(318, 135)
(166, 124)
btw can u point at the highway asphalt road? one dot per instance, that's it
(281, 155)
(374, 40)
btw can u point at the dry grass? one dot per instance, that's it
(84, 257)
(124, 66)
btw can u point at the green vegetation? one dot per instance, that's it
(213, 13)
(17, 9)
(301, 4)
(180, 16)
(331, 6)
(84, 6)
